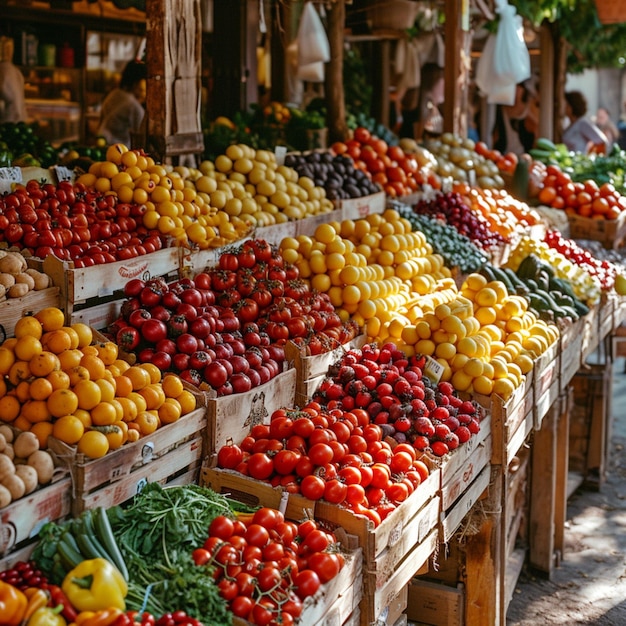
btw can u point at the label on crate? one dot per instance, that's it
(279, 153)
(433, 369)
(63, 173)
(12, 174)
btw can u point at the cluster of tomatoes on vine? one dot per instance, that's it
(603, 270)
(265, 566)
(74, 223)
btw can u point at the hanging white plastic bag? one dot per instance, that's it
(312, 73)
(505, 60)
(313, 46)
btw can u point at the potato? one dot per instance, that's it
(8, 451)
(25, 444)
(27, 279)
(3, 291)
(42, 281)
(6, 466)
(7, 280)
(7, 433)
(43, 463)
(28, 474)
(13, 263)
(3, 443)
(5, 497)
(15, 485)
(19, 290)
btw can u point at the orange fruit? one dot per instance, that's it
(9, 408)
(138, 400)
(19, 371)
(88, 393)
(107, 389)
(70, 358)
(90, 350)
(22, 391)
(42, 430)
(84, 417)
(84, 332)
(51, 318)
(94, 365)
(36, 411)
(153, 370)
(187, 402)
(129, 409)
(123, 386)
(7, 358)
(40, 389)
(28, 325)
(170, 411)
(93, 444)
(62, 402)
(116, 435)
(104, 414)
(21, 423)
(27, 347)
(59, 379)
(73, 336)
(119, 409)
(139, 376)
(44, 363)
(69, 429)
(147, 422)
(107, 351)
(78, 373)
(154, 395)
(56, 341)
(172, 385)
(121, 365)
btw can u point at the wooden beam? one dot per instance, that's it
(173, 57)
(333, 83)
(546, 82)
(455, 53)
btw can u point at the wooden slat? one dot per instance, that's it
(12, 309)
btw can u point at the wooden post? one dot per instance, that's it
(483, 569)
(173, 55)
(333, 83)
(454, 37)
(562, 466)
(546, 83)
(543, 494)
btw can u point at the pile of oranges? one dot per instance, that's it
(56, 381)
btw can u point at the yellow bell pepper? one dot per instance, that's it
(13, 604)
(46, 616)
(95, 584)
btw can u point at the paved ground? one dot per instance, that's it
(589, 587)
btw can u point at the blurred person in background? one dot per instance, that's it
(122, 110)
(12, 100)
(606, 125)
(582, 135)
(516, 125)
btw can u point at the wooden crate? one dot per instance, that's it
(358, 208)
(546, 381)
(275, 233)
(571, 352)
(78, 285)
(255, 492)
(12, 309)
(465, 474)
(590, 332)
(515, 501)
(385, 597)
(231, 417)
(589, 417)
(435, 603)
(336, 601)
(511, 421)
(610, 233)
(116, 476)
(308, 225)
(606, 315)
(98, 315)
(315, 367)
(21, 520)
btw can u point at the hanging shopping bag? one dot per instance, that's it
(505, 60)
(313, 46)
